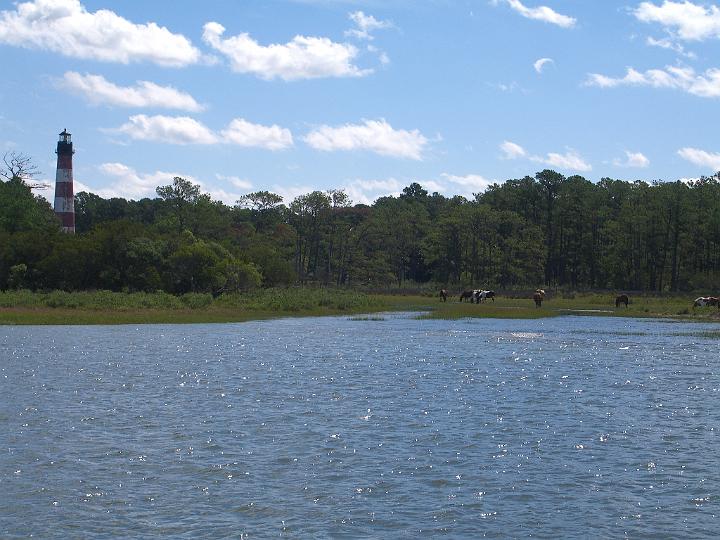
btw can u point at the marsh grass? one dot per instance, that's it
(501, 309)
(598, 305)
(106, 307)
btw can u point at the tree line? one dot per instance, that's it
(548, 230)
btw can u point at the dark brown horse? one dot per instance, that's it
(622, 299)
(539, 296)
(467, 294)
(443, 295)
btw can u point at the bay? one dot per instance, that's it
(355, 427)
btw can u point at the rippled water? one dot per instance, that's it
(333, 427)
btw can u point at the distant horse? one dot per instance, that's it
(443, 295)
(703, 301)
(539, 296)
(481, 296)
(622, 299)
(467, 294)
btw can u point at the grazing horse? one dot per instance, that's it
(481, 296)
(703, 301)
(443, 295)
(539, 296)
(467, 294)
(622, 299)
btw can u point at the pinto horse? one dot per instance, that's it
(703, 301)
(481, 296)
(443, 295)
(539, 296)
(622, 299)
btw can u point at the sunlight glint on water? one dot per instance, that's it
(322, 427)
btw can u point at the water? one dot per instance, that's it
(333, 427)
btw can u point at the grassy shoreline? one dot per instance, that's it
(104, 307)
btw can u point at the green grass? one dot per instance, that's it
(500, 309)
(105, 307)
(598, 305)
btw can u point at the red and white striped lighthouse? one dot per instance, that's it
(64, 195)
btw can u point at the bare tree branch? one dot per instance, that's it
(18, 166)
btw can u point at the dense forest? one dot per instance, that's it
(548, 230)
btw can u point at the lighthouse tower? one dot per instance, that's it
(64, 196)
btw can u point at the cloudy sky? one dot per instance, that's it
(364, 95)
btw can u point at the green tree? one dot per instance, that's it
(179, 198)
(20, 210)
(265, 207)
(309, 216)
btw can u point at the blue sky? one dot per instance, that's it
(367, 95)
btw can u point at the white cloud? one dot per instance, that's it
(633, 160)
(301, 58)
(186, 130)
(689, 181)
(681, 78)
(289, 193)
(570, 160)
(236, 181)
(127, 183)
(473, 181)
(671, 46)
(512, 150)
(219, 194)
(541, 13)
(98, 90)
(430, 185)
(684, 20)
(467, 185)
(365, 25)
(701, 158)
(244, 133)
(541, 63)
(374, 135)
(382, 55)
(367, 191)
(167, 129)
(508, 87)
(66, 27)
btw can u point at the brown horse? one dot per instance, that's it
(443, 295)
(539, 296)
(622, 299)
(467, 294)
